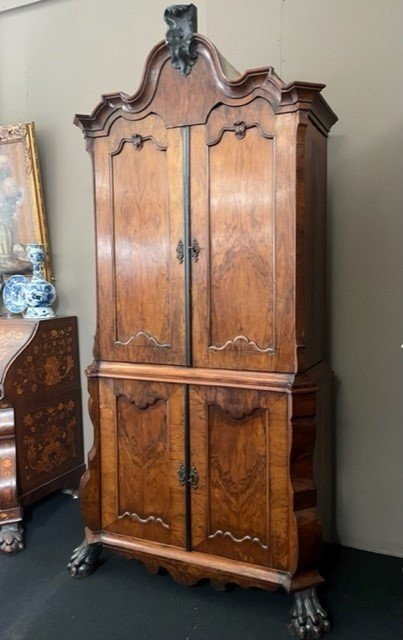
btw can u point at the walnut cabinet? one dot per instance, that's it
(210, 197)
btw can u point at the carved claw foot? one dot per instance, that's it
(84, 559)
(308, 617)
(11, 538)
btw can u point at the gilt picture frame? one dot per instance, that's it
(22, 208)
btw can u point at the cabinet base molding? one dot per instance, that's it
(188, 568)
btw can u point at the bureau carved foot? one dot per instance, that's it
(84, 559)
(11, 538)
(71, 492)
(308, 617)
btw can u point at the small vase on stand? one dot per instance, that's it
(39, 293)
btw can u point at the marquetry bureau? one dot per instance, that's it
(41, 441)
(210, 198)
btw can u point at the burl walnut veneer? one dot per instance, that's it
(210, 194)
(41, 441)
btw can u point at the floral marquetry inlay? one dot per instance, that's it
(11, 340)
(50, 438)
(49, 362)
(41, 447)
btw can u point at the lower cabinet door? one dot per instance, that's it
(142, 447)
(240, 494)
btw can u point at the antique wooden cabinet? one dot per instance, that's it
(210, 194)
(41, 440)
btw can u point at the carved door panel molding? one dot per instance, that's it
(141, 223)
(142, 444)
(239, 310)
(239, 445)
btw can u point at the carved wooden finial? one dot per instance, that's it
(182, 22)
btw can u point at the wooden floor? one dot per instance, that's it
(120, 601)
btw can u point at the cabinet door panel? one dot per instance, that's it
(142, 281)
(239, 300)
(239, 446)
(142, 438)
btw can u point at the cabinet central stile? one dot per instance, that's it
(187, 246)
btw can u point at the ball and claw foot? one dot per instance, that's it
(11, 538)
(84, 559)
(308, 617)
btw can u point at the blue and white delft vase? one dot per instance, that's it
(39, 293)
(14, 294)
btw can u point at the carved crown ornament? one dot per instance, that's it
(182, 22)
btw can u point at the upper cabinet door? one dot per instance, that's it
(241, 217)
(138, 174)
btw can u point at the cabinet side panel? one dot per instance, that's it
(90, 485)
(307, 525)
(280, 505)
(109, 462)
(324, 468)
(311, 245)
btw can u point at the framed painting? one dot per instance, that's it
(22, 211)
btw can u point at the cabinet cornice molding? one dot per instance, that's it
(225, 84)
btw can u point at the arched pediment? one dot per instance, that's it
(170, 93)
